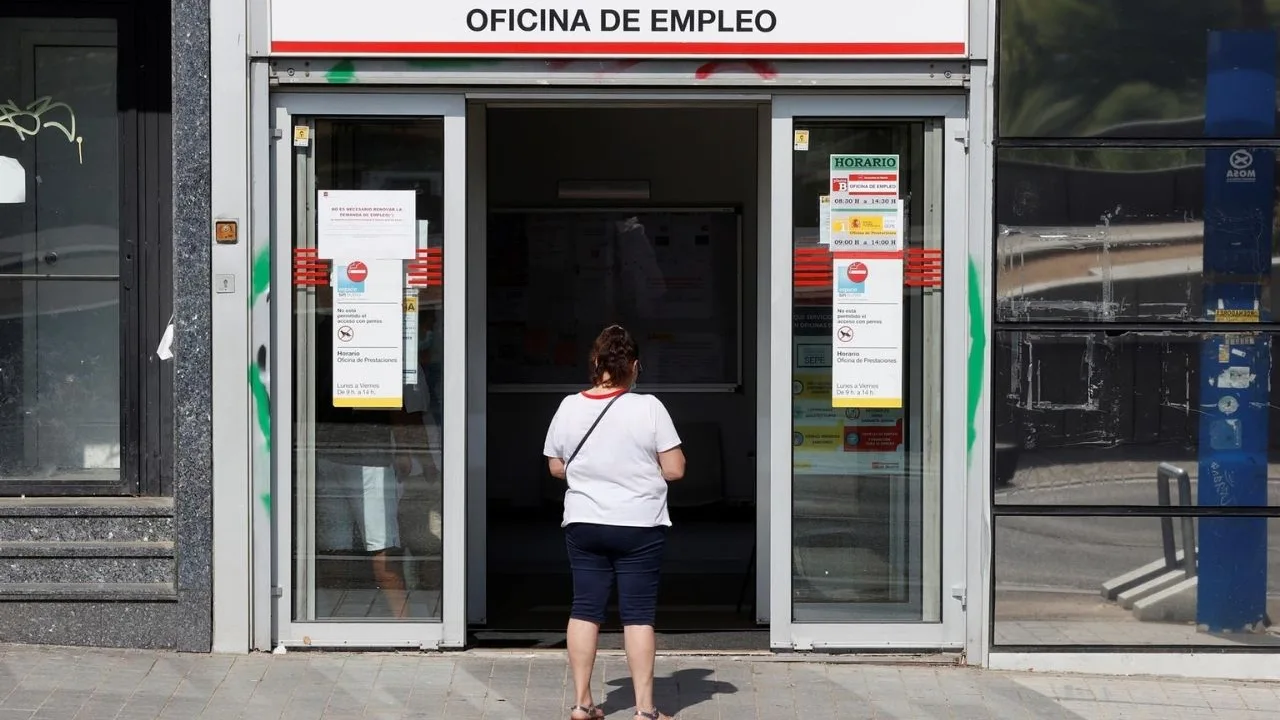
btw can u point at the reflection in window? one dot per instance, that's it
(1147, 397)
(367, 485)
(60, 324)
(866, 516)
(1135, 68)
(1059, 581)
(1119, 234)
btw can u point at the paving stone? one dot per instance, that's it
(40, 682)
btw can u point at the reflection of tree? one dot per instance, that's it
(1079, 67)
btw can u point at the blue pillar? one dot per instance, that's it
(1235, 370)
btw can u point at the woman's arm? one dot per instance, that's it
(556, 466)
(672, 463)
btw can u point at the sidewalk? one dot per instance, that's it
(68, 683)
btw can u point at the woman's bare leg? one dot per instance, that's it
(641, 647)
(582, 639)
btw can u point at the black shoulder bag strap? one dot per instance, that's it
(591, 430)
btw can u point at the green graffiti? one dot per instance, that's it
(262, 401)
(977, 350)
(260, 273)
(260, 282)
(344, 71)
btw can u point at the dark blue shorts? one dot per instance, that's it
(600, 553)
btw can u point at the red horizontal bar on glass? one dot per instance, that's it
(427, 268)
(923, 268)
(308, 269)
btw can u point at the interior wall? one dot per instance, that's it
(690, 156)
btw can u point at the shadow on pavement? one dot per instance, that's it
(674, 694)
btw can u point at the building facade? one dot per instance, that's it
(951, 313)
(105, 214)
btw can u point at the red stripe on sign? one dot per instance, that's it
(616, 48)
(869, 255)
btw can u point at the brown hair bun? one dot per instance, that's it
(613, 358)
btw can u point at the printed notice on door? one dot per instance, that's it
(865, 212)
(367, 224)
(368, 333)
(866, 342)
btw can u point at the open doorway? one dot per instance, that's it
(645, 216)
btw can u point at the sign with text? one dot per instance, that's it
(368, 334)
(865, 212)
(368, 234)
(642, 28)
(866, 336)
(369, 224)
(835, 441)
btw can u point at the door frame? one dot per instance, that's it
(479, 102)
(451, 630)
(949, 632)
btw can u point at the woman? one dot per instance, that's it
(617, 450)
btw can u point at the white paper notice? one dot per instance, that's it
(368, 333)
(866, 213)
(867, 333)
(367, 224)
(164, 350)
(13, 181)
(411, 336)
(824, 220)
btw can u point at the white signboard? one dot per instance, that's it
(368, 333)
(828, 440)
(367, 224)
(865, 211)
(866, 332)
(803, 29)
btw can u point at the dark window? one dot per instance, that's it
(1136, 68)
(84, 247)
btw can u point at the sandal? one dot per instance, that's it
(593, 712)
(651, 715)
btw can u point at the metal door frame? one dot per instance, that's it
(478, 387)
(451, 630)
(949, 632)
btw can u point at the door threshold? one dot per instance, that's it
(729, 641)
(876, 658)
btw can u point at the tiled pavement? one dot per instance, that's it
(72, 683)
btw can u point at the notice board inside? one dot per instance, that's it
(672, 277)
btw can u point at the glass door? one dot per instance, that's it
(369, 371)
(867, 548)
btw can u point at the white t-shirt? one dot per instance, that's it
(616, 478)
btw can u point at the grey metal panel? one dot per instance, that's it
(981, 15)
(259, 30)
(599, 74)
(229, 184)
(477, 472)
(978, 526)
(262, 629)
